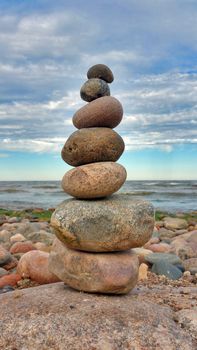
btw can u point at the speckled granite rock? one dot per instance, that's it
(94, 88)
(103, 112)
(100, 71)
(110, 224)
(91, 145)
(115, 273)
(57, 317)
(94, 180)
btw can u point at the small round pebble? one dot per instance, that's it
(93, 89)
(100, 71)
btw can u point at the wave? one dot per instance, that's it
(45, 186)
(12, 190)
(139, 193)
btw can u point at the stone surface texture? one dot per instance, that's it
(115, 223)
(100, 71)
(93, 89)
(103, 112)
(102, 273)
(57, 317)
(94, 180)
(91, 145)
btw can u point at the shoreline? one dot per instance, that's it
(41, 214)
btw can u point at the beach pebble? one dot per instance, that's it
(41, 236)
(34, 265)
(10, 280)
(5, 236)
(160, 248)
(183, 249)
(5, 256)
(175, 223)
(141, 253)
(104, 273)
(3, 272)
(163, 233)
(164, 268)
(93, 89)
(17, 238)
(170, 258)
(22, 247)
(11, 264)
(115, 223)
(104, 112)
(43, 247)
(100, 71)
(94, 180)
(152, 240)
(91, 145)
(191, 265)
(143, 272)
(13, 219)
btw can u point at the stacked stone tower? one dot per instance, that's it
(96, 229)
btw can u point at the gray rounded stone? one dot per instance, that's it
(91, 145)
(93, 89)
(100, 71)
(164, 268)
(155, 257)
(111, 224)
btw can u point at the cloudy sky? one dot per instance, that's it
(46, 49)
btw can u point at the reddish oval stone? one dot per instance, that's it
(104, 112)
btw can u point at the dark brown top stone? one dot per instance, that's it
(100, 71)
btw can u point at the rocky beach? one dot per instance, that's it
(166, 287)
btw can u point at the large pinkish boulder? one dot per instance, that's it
(115, 273)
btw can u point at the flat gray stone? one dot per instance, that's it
(111, 224)
(164, 268)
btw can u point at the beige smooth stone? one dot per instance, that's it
(94, 180)
(94, 272)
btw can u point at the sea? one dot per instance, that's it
(170, 196)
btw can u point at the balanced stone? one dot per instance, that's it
(110, 224)
(91, 145)
(106, 111)
(100, 71)
(94, 180)
(102, 273)
(94, 88)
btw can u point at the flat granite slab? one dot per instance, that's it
(56, 317)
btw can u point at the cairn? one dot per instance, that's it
(96, 230)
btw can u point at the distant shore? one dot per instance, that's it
(40, 214)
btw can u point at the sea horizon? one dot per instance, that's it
(167, 195)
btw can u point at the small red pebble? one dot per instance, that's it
(22, 247)
(9, 280)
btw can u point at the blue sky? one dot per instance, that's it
(46, 50)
